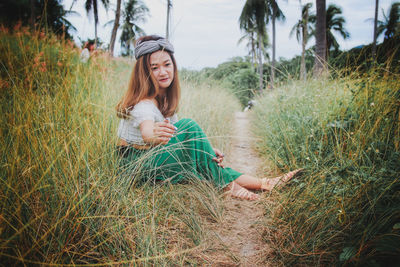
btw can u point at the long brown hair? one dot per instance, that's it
(143, 85)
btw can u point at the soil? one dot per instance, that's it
(238, 238)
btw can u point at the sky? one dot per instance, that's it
(205, 33)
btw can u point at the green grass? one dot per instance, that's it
(63, 198)
(345, 132)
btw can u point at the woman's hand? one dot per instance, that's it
(163, 131)
(156, 133)
(219, 157)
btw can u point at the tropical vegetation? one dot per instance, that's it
(67, 200)
(334, 22)
(303, 29)
(135, 11)
(390, 26)
(37, 14)
(92, 6)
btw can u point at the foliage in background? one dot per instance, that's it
(236, 75)
(345, 132)
(64, 199)
(134, 11)
(91, 6)
(334, 22)
(44, 14)
(359, 58)
(240, 76)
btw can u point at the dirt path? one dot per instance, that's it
(240, 235)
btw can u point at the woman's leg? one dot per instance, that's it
(239, 191)
(190, 151)
(192, 147)
(249, 182)
(268, 184)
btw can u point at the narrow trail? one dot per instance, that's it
(239, 238)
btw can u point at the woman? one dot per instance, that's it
(158, 145)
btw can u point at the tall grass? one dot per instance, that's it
(345, 132)
(63, 198)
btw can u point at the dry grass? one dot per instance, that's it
(63, 199)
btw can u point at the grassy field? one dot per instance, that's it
(66, 201)
(63, 197)
(345, 132)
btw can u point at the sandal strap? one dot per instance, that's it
(242, 193)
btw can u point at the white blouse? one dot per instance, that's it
(129, 129)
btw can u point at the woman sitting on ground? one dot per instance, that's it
(178, 149)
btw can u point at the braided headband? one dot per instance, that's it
(150, 46)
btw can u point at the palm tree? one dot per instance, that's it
(252, 18)
(250, 36)
(334, 22)
(56, 17)
(274, 13)
(320, 38)
(254, 46)
(92, 5)
(391, 24)
(302, 29)
(135, 11)
(115, 27)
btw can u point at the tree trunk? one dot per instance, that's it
(273, 49)
(260, 66)
(320, 37)
(169, 5)
(115, 28)
(303, 70)
(375, 27)
(253, 51)
(95, 35)
(96, 21)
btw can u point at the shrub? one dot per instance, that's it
(346, 134)
(243, 83)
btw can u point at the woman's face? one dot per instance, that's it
(163, 68)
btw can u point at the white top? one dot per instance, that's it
(129, 129)
(85, 55)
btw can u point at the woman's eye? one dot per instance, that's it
(154, 68)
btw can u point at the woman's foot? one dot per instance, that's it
(271, 183)
(238, 191)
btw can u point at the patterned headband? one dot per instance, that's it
(150, 46)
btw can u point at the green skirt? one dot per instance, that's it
(187, 155)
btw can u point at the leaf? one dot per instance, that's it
(347, 253)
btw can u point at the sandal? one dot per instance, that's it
(237, 191)
(269, 184)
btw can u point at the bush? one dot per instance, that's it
(236, 74)
(346, 134)
(243, 83)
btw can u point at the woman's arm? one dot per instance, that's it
(155, 133)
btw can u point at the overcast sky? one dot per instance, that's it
(205, 33)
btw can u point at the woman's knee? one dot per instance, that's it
(186, 123)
